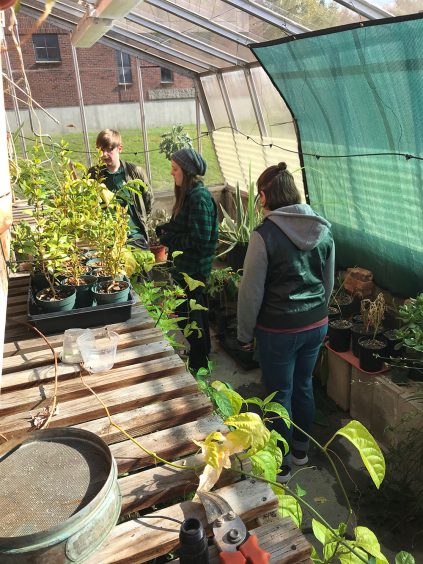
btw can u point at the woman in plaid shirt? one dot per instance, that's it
(193, 229)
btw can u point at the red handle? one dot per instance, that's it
(253, 553)
(232, 558)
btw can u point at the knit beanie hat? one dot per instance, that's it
(190, 161)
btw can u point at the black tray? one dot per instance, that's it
(81, 317)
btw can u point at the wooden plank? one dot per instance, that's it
(34, 359)
(85, 409)
(44, 374)
(283, 540)
(139, 320)
(148, 537)
(150, 418)
(164, 483)
(39, 396)
(173, 443)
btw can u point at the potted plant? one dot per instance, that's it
(158, 217)
(112, 232)
(174, 140)
(339, 329)
(222, 291)
(373, 313)
(234, 234)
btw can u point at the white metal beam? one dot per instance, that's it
(366, 9)
(287, 25)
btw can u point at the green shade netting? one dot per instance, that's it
(359, 91)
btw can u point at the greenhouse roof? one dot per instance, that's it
(194, 37)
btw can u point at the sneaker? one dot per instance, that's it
(299, 457)
(284, 476)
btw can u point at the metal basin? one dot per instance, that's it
(59, 497)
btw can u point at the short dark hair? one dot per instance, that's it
(278, 185)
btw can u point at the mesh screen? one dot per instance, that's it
(356, 95)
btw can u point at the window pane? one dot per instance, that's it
(123, 61)
(166, 75)
(46, 47)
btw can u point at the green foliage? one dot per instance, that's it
(223, 285)
(411, 331)
(238, 230)
(367, 447)
(174, 140)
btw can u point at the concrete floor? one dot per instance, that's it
(318, 480)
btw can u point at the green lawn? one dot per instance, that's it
(160, 167)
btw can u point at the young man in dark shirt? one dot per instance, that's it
(115, 173)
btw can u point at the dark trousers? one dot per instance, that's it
(200, 345)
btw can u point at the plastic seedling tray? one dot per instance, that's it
(83, 317)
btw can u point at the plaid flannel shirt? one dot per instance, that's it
(194, 231)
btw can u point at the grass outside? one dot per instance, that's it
(133, 151)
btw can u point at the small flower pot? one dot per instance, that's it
(105, 293)
(334, 313)
(339, 333)
(159, 252)
(357, 331)
(84, 295)
(369, 348)
(64, 300)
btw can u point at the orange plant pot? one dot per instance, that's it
(160, 252)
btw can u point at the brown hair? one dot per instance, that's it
(278, 186)
(188, 181)
(108, 139)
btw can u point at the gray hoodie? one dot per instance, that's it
(306, 229)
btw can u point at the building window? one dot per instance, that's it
(46, 46)
(124, 67)
(166, 75)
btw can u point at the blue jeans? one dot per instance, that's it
(287, 361)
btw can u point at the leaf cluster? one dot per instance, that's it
(238, 230)
(411, 331)
(174, 140)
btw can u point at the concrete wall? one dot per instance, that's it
(158, 113)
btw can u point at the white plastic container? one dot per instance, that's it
(70, 352)
(98, 349)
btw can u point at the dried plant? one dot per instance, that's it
(373, 313)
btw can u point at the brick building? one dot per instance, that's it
(108, 77)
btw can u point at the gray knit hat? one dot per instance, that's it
(190, 161)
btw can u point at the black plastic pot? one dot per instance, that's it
(236, 256)
(369, 348)
(357, 319)
(333, 312)
(357, 331)
(339, 333)
(347, 304)
(393, 349)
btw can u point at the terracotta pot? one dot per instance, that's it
(4, 4)
(160, 252)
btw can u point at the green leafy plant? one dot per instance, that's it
(223, 285)
(411, 331)
(174, 140)
(238, 230)
(158, 217)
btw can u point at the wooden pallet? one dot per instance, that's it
(151, 396)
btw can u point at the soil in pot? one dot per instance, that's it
(333, 312)
(339, 333)
(347, 304)
(358, 331)
(84, 295)
(111, 292)
(369, 348)
(63, 299)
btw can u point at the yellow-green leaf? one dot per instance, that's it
(251, 423)
(280, 410)
(289, 507)
(195, 306)
(367, 540)
(368, 448)
(234, 398)
(190, 282)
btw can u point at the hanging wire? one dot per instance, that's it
(318, 156)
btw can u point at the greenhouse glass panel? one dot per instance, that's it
(241, 103)
(313, 14)
(356, 96)
(234, 19)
